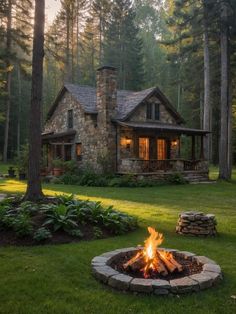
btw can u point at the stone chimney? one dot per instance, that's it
(107, 108)
(107, 91)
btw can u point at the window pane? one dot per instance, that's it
(70, 119)
(161, 149)
(79, 151)
(149, 111)
(144, 148)
(157, 112)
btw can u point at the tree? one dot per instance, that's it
(226, 106)
(123, 47)
(34, 188)
(8, 80)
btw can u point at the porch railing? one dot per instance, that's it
(153, 165)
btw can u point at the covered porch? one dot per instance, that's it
(156, 147)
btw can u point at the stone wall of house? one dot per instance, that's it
(96, 133)
(140, 113)
(84, 124)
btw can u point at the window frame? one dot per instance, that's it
(153, 111)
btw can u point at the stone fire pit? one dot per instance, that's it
(197, 224)
(103, 268)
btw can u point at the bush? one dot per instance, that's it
(70, 179)
(97, 232)
(56, 180)
(176, 178)
(22, 225)
(60, 217)
(70, 167)
(114, 221)
(75, 233)
(42, 234)
(28, 207)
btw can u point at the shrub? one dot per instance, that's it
(97, 232)
(42, 234)
(70, 179)
(70, 167)
(176, 178)
(75, 233)
(124, 181)
(22, 225)
(114, 221)
(56, 180)
(28, 207)
(61, 217)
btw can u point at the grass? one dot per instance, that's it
(57, 279)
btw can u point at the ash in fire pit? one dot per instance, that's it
(151, 269)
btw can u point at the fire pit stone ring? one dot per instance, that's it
(209, 276)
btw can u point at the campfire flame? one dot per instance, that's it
(151, 259)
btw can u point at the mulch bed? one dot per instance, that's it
(190, 267)
(9, 237)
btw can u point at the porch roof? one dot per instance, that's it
(163, 127)
(52, 135)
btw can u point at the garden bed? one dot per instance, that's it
(59, 220)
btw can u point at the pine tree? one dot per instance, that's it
(123, 47)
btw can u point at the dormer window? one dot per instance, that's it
(70, 121)
(153, 111)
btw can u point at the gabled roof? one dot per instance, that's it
(127, 101)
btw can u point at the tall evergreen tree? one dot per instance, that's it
(123, 47)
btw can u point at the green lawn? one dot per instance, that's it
(57, 279)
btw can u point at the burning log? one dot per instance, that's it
(150, 259)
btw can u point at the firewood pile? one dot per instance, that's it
(197, 224)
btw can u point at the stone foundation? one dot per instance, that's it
(197, 224)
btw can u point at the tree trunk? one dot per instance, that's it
(207, 102)
(34, 188)
(8, 80)
(19, 110)
(224, 146)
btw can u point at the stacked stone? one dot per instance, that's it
(196, 223)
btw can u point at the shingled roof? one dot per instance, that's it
(127, 101)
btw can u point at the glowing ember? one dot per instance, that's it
(151, 259)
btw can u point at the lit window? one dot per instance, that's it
(79, 151)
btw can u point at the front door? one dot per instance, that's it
(144, 148)
(161, 149)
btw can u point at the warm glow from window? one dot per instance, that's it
(144, 148)
(161, 149)
(78, 150)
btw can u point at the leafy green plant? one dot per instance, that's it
(70, 167)
(42, 234)
(66, 199)
(75, 233)
(176, 178)
(97, 232)
(70, 179)
(22, 225)
(28, 207)
(61, 217)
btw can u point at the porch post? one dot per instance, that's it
(202, 157)
(193, 147)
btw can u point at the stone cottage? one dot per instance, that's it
(120, 130)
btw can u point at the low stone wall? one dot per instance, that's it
(197, 224)
(209, 276)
